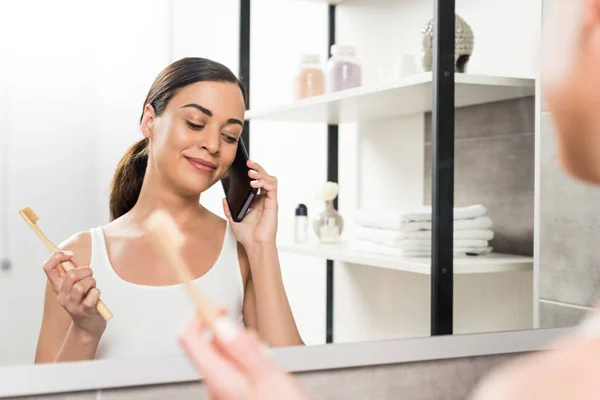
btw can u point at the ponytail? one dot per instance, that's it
(127, 181)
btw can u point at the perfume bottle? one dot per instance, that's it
(301, 224)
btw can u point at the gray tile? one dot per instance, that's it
(498, 173)
(569, 230)
(182, 391)
(60, 396)
(445, 379)
(493, 119)
(560, 316)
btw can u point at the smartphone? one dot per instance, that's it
(236, 184)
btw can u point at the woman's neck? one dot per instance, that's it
(156, 194)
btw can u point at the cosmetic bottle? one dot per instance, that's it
(343, 69)
(301, 224)
(310, 78)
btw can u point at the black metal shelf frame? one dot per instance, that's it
(442, 268)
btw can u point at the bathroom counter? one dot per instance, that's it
(491, 263)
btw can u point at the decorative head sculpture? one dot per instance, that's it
(463, 45)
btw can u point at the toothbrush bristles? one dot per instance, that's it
(29, 214)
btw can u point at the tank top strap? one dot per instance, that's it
(228, 262)
(99, 261)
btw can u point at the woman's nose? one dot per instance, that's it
(211, 140)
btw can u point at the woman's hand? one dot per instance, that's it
(259, 226)
(76, 292)
(233, 365)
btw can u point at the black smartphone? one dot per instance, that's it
(236, 184)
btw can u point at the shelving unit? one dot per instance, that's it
(408, 95)
(438, 92)
(492, 263)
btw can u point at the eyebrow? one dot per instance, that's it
(210, 113)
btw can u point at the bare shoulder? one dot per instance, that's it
(81, 246)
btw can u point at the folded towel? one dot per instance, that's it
(415, 226)
(394, 220)
(389, 237)
(422, 243)
(412, 251)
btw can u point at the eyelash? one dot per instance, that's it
(228, 139)
(194, 126)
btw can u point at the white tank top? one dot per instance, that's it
(147, 319)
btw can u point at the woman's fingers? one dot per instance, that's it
(269, 187)
(81, 288)
(90, 301)
(52, 265)
(220, 375)
(258, 172)
(65, 291)
(243, 348)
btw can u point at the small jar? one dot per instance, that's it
(343, 69)
(310, 78)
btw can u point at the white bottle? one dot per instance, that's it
(301, 224)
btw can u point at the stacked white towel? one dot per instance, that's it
(409, 233)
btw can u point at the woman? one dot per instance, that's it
(192, 121)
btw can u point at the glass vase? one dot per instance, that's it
(328, 224)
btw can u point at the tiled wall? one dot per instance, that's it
(494, 166)
(569, 233)
(433, 380)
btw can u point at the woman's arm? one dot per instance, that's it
(266, 306)
(61, 340)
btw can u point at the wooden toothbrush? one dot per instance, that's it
(169, 240)
(31, 219)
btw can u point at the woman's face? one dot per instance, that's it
(571, 82)
(194, 141)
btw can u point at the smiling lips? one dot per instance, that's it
(201, 164)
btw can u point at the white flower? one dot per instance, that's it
(327, 191)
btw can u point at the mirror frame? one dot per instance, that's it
(29, 380)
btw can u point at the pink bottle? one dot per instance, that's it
(343, 69)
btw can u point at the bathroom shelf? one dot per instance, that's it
(405, 96)
(491, 263)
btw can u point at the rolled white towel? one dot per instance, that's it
(394, 220)
(392, 238)
(368, 247)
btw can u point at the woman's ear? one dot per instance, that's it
(148, 121)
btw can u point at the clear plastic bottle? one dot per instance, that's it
(310, 79)
(343, 69)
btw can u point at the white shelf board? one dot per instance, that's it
(491, 263)
(408, 95)
(325, 1)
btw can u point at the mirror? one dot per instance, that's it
(72, 94)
